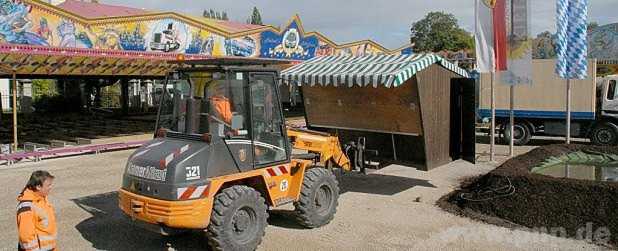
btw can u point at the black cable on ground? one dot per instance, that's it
(489, 193)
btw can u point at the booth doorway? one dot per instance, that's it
(463, 120)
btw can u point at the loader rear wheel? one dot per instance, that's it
(238, 219)
(318, 198)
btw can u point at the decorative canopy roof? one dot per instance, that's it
(374, 70)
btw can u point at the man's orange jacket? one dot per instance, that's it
(36, 222)
(223, 108)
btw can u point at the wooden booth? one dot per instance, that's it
(416, 109)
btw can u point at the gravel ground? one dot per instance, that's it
(391, 209)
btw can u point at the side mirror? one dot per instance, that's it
(237, 121)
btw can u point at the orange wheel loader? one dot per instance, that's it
(222, 156)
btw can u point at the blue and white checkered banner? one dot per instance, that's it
(571, 43)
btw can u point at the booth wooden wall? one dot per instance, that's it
(367, 108)
(417, 113)
(435, 96)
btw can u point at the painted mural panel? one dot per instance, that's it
(407, 51)
(16, 26)
(289, 44)
(167, 35)
(359, 50)
(246, 46)
(22, 23)
(172, 36)
(324, 49)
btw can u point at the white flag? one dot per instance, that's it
(484, 37)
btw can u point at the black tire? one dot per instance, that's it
(318, 198)
(238, 219)
(604, 134)
(523, 134)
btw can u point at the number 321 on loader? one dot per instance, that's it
(222, 155)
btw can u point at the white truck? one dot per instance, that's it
(540, 108)
(166, 40)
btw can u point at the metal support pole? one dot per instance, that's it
(512, 122)
(1, 108)
(124, 85)
(568, 113)
(492, 128)
(511, 115)
(394, 149)
(14, 111)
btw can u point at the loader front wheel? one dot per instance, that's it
(318, 198)
(238, 219)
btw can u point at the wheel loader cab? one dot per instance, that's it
(212, 123)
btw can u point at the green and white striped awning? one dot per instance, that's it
(374, 70)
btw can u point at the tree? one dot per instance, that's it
(43, 87)
(439, 31)
(222, 15)
(463, 40)
(544, 46)
(256, 17)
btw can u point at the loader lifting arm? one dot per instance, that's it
(327, 147)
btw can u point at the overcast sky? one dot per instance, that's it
(386, 22)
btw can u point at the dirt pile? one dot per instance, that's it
(513, 196)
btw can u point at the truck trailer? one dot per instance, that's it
(540, 108)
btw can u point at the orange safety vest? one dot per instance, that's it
(222, 105)
(36, 222)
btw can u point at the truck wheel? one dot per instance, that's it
(604, 135)
(238, 219)
(522, 136)
(318, 198)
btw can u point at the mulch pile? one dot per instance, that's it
(511, 196)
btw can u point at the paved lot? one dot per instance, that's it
(392, 209)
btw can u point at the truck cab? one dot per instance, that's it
(608, 96)
(605, 130)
